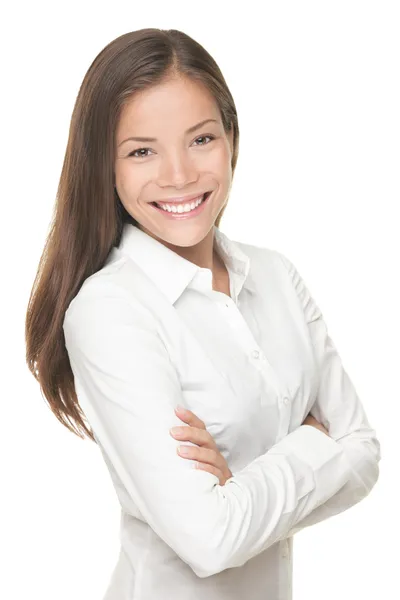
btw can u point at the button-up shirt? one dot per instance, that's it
(147, 332)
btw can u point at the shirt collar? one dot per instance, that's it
(172, 273)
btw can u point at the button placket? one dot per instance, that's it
(284, 411)
(254, 352)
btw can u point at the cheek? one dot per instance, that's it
(225, 169)
(220, 163)
(128, 183)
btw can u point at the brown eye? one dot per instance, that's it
(133, 153)
(202, 137)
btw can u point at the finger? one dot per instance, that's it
(202, 455)
(189, 417)
(210, 469)
(201, 437)
(197, 436)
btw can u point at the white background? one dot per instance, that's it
(316, 85)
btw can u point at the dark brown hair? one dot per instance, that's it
(88, 216)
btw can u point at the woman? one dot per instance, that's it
(142, 303)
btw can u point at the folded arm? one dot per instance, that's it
(339, 409)
(127, 387)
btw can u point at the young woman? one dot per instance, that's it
(142, 303)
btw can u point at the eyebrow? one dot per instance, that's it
(149, 139)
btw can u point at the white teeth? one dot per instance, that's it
(182, 207)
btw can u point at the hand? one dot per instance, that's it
(310, 420)
(207, 455)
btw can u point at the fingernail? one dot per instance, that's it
(179, 408)
(176, 430)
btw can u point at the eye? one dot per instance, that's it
(133, 153)
(202, 137)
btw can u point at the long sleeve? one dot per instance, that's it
(339, 409)
(127, 387)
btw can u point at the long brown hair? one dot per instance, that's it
(88, 216)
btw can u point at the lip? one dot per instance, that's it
(190, 215)
(181, 199)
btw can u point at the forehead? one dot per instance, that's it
(179, 103)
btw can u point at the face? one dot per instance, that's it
(183, 159)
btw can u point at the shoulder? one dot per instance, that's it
(274, 274)
(265, 257)
(115, 293)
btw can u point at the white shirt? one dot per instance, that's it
(148, 332)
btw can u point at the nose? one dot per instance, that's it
(177, 171)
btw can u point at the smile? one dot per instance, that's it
(188, 209)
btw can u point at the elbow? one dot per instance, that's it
(210, 565)
(213, 551)
(203, 564)
(201, 551)
(372, 457)
(214, 554)
(364, 453)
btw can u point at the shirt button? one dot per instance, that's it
(255, 354)
(285, 400)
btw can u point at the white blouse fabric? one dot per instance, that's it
(147, 332)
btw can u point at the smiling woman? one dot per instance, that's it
(141, 303)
